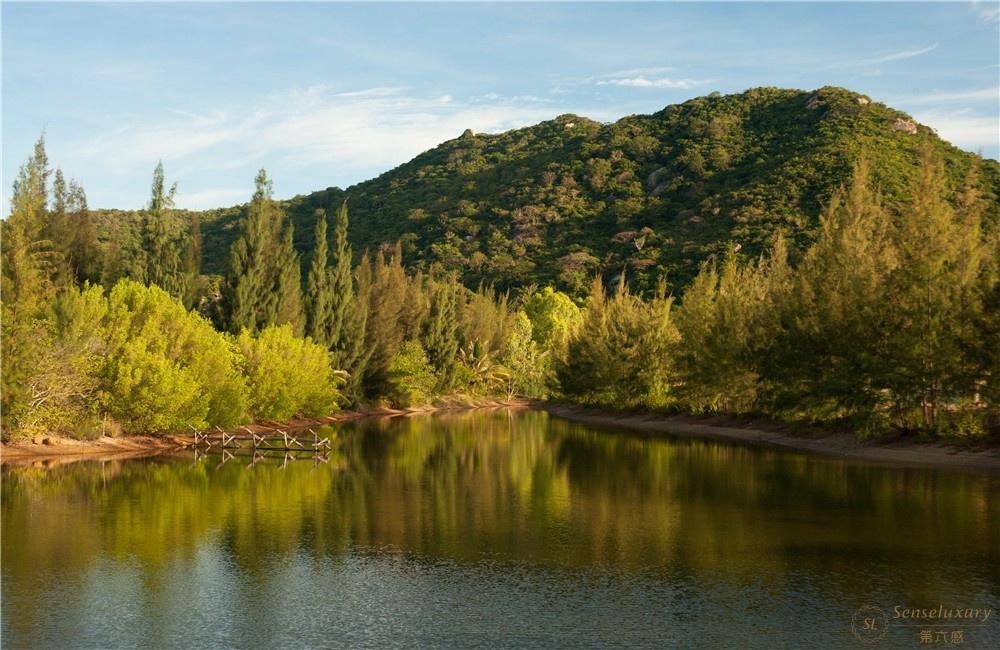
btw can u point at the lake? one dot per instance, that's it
(494, 528)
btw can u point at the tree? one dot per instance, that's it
(27, 282)
(166, 368)
(721, 321)
(288, 375)
(525, 363)
(384, 335)
(411, 378)
(318, 294)
(192, 263)
(933, 298)
(162, 242)
(622, 356)
(288, 286)
(249, 300)
(440, 332)
(341, 288)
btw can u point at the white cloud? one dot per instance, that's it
(650, 77)
(659, 82)
(887, 58)
(965, 129)
(354, 135)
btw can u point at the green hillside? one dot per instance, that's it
(649, 194)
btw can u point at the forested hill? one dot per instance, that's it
(650, 194)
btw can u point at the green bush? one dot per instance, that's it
(166, 368)
(411, 376)
(287, 375)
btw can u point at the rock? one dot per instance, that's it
(864, 101)
(52, 442)
(906, 126)
(37, 440)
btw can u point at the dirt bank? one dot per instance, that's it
(840, 445)
(48, 451)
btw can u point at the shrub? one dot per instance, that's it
(411, 376)
(166, 367)
(288, 375)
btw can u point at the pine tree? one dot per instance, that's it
(249, 300)
(162, 242)
(27, 283)
(384, 335)
(288, 285)
(84, 254)
(318, 291)
(441, 332)
(353, 352)
(827, 361)
(340, 282)
(942, 257)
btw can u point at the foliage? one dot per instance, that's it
(262, 284)
(411, 376)
(287, 375)
(525, 362)
(167, 368)
(622, 356)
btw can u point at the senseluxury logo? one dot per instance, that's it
(869, 623)
(929, 625)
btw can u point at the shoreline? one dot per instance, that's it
(832, 444)
(57, 450)
(775, 435)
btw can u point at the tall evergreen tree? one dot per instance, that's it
(441, 332)
(384, 335)
(84, 254)
(163, 243)
(249, 300)
(341, 286)
(942, 257)
(27, 283)
(318, 291)
(288, 283)
(828, 359)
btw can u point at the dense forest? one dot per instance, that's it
(881, 312)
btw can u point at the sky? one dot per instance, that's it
(332, 94)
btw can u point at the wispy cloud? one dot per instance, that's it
(354, 134)
(988, 11)
(656, 82)
(651, 77)
(964, 128)
(899, 55)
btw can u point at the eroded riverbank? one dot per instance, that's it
(837, 445)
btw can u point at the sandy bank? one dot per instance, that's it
(49, 451)
(839, 445)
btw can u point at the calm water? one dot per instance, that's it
(491, 529)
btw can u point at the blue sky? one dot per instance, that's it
(332, 94)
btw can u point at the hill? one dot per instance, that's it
(652, 195)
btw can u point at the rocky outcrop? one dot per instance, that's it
(906, 126)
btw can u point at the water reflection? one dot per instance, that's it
(530, 529)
